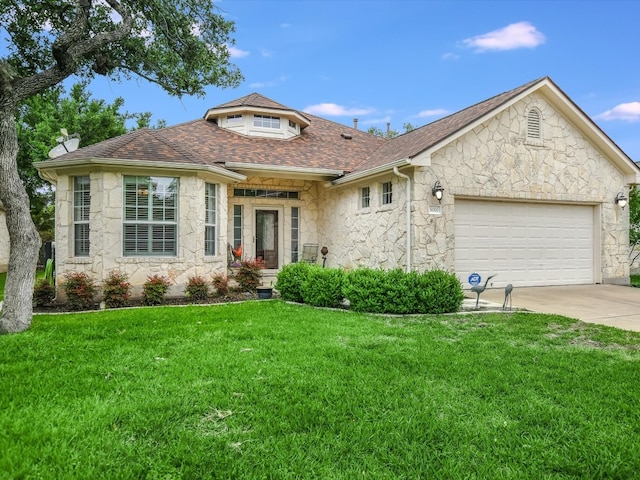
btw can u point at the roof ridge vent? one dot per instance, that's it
(346, 136)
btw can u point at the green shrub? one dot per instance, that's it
(290, 279)
(43, 293)
(249, 274)
(323, 287)
(79, 289)
(155, 289)
(394, 291)
(197, 289)
(221, 284)
(116, 290)
(439, 292)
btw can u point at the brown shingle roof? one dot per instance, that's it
(202, 142)
(416, 141)
(321, 145)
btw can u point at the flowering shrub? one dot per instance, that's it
(43, 293)
(116, 290)
(221, 284)
(79, 289)
(249, 275)
(197, 289)
(155, 289)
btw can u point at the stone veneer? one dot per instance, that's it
(492, 161)
(106, 229)
(4, 242)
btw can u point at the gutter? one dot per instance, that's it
(408, 215)
(372, 171)
(47, 165)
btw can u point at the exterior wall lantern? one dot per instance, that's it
(437, 191)
(621, 200)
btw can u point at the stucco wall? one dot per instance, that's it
(493, 161)
(4, 242)
(106, 234)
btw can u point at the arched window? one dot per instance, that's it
(534, 129)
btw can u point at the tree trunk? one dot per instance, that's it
(24, 239)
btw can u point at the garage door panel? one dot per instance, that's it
(524, 243)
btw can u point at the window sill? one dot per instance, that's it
(150, 260)
(79, 260)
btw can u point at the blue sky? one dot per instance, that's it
(416, 61)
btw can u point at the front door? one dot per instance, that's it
(267, 237)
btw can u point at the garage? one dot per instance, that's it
(525, 244)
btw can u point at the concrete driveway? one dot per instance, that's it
(612, 305)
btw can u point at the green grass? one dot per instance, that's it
(274, 390)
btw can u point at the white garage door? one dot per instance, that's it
(524, 243)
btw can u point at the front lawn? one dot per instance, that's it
(276, 390)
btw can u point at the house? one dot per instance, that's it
(4, 241)
(522, 185)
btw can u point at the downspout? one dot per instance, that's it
(406, 177)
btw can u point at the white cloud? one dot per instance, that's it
(435, 112)
(265, 53)
(270, 83)
(285, 25)
(450, 56)
(625, 111)
(376, 121)
(236, 52)
(511, 37)
(334, 110)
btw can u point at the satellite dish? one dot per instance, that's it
(68, 143)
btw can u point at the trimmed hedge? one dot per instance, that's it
(393, 291)
(289, 281)
(371, 290)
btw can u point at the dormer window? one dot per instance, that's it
(266, 121)
(234, 119)
(292, 124)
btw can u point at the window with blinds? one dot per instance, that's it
(81, 209)
(150, 216)
(210, 219)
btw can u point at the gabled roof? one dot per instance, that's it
(436, 134)
(324, 149)
(412, 143)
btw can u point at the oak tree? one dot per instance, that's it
(181, 45)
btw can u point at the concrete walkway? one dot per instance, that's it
(613, 305)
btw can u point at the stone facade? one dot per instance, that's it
(4, 242)
(106, 250)
(493, 161)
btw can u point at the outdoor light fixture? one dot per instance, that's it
(437, 191)
(621, 200)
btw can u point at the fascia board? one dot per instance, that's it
(353, 177)
(47, 168)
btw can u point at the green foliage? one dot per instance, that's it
(221, 285)
(79, 289)
(397, 292)
(197, 289)
(38, 124)
(279, 391)
(48, 271)
(155, 289)
(290, 279)
(43, 293)
(634, 220)
(182, 46)
(116, 290)
(249, 274)
(322, 287)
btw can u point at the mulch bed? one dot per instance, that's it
(229, 298)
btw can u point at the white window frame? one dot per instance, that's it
(387, 193)
(266, 121)
(210, 222)
(365, 197)
(234, 119)
(150, 216)
(81, 211)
